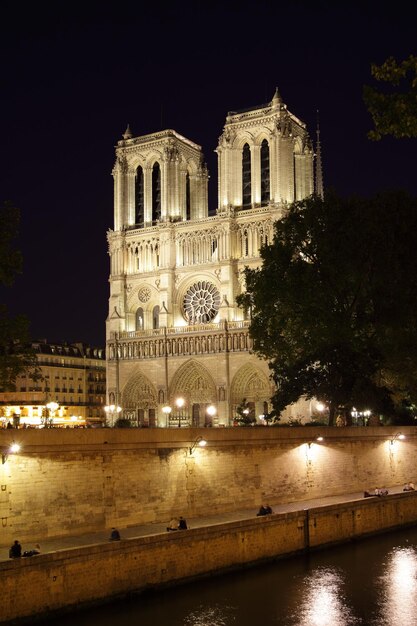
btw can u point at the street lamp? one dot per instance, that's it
(112, 410)
(179, 403)
(166, 410)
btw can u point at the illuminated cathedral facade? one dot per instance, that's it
(178, 347)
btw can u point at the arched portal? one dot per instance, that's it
(194, 383)
(252, 385)
(139, 401)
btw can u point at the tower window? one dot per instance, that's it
(265, 173)
(156, 192)
(139, 197)
(187, 198)
(246, 177)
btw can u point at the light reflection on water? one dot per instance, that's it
(398, 588)
(324, 602)
(365, 583)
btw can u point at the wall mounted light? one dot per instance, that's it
(396, 437)
(199, 441)
(13, 449)
(317, 439)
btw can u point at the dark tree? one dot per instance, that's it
(394, 108)
(16, 355)
(334, 303)
(244, 414)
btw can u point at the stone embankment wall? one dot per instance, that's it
(67, 482)
(92, 574)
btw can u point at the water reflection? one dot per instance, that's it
(211, 616)
(398, 588)
(324, 602)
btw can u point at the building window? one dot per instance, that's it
(156, 192)
(155, 317)
(265, 173)
(187, 198)
(139, 319)
(139, 197)
(246, 177)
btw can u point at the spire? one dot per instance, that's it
(128, 133)
(318, 187)
(276, 99)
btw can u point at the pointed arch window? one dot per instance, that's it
(265, 173)
(156, 192)
(246, 177)
(139, 197)
(139, 319)
(187, 198)
(155, 317)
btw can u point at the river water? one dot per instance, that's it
(372, 582)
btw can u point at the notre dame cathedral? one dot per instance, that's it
(178, 347)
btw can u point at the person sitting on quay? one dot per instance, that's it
(36, 550)
(114, 535)
(174, 524)
(409, 487)
(182, 523)
(15, 551)
(265, 509)
(381, 491)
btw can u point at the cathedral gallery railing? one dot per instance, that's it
(180, 341)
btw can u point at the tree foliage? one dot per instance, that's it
(334, 303)
(16, 355)
(394, 109)
(244, 414)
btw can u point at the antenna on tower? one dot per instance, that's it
(319, 169)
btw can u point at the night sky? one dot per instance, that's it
(73, 76)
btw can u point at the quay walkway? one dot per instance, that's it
(75, 541)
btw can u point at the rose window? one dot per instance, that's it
(201, 303)
(144, 294)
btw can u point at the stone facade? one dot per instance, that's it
(174, 329)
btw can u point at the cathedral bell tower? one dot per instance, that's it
(174, 330)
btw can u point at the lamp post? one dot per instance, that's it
(179, 404)
(166, 410)
(112, 410)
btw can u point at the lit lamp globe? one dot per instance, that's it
(211, 410)
(166, 410)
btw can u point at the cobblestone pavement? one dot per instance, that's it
(141, 530)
